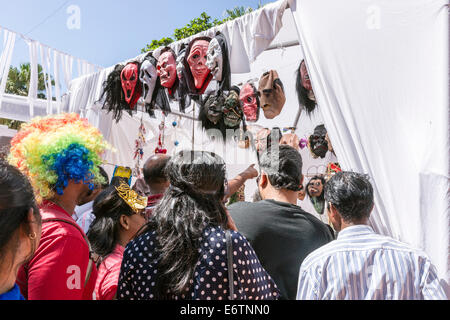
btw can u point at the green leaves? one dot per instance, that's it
(19, 80)
(196, 25)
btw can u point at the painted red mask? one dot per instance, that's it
(197, 62)
(250, 102)
(129, 77)
(167, 69)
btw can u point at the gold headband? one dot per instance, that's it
(135, 201)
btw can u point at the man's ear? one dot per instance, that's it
(263, 180)
(334, 216)
(124, 222)
(301, 179)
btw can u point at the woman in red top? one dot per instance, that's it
(119, 214)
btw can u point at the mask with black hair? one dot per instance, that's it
(315, 191)
(232, 111)
(155, 98)
(271, 94)
(305, 94)
(115, 101)
(196, 72)
(317, 143)
(218, 62)
(183, 97)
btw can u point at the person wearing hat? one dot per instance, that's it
(119, 215)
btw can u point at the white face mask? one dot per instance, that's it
(214, 59)
(148, 76)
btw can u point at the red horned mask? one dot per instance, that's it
(129, 77)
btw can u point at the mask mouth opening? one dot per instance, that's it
(128, 93)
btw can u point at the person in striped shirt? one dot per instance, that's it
(361, 264)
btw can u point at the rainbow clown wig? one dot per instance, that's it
(53, 150)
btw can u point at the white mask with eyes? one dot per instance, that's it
(214, 59)
(148, 76)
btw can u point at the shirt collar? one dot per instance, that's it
(353, 231)
(13, 294)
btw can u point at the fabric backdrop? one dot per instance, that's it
(379, 70)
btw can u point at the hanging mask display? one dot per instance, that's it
(114, 94)
(130, 84)
(210, 114)
(305, 94)
(148, 76)
(315, 191)
(317, 143)
(167, 69)
(197, 73)
(218, 62)
(271, 93)
(156, 97)
(332, 169)
(232, 112)
(250, 102)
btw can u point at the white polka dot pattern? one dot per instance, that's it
(138, 277)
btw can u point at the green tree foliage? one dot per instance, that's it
(19, 80)
(202, 23)
(18, 83)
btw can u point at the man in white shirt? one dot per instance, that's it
(361, 264)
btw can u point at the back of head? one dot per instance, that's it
(103, 233)
(16, 199)
(351, 194)
(192, 202)
(283, 166)
(154, 172)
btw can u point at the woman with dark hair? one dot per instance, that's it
(20, 228)
(183, 251)
(119, 214)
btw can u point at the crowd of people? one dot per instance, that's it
(69, 232)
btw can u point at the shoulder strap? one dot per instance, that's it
(230, 263)
(91, 253)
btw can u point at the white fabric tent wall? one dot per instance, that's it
(54, 64)
(380, 76)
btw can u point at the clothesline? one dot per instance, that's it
(24, 37)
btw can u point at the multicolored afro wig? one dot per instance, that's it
(53, 150)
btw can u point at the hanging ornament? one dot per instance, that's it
(159, 148)
(175, 125)
(139, 150)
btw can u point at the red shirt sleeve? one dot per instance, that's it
(58, 269)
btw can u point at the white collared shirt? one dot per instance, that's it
(361, 264)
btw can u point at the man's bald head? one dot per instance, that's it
(154, 174)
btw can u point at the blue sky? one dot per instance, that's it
(110, 31)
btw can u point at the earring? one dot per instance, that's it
(32, 236)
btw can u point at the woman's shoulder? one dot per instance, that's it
(144, 242)
(217, 235)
